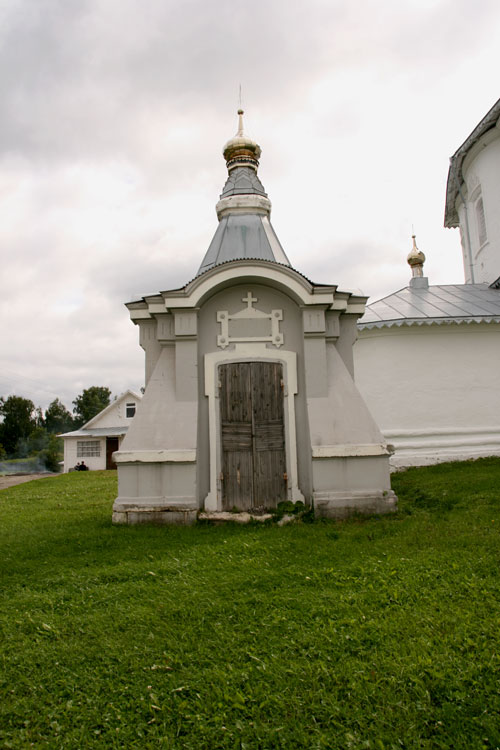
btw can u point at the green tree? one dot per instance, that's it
(89, 403)
(58, 418)
(37, 440)
(52, 454)
(19, 420)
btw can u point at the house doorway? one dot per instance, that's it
(111, 447)
(253, 465)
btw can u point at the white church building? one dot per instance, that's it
(427, 358)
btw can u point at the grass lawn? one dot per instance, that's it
(369, 633)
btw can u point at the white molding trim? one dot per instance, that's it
(273, 335)
(168, 456)
(434, 445)
(430, 431)
(452, 442)
(250, 352)
(348, 450)
(243, 204)
(284, 278)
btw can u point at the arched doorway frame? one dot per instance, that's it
(251, 352)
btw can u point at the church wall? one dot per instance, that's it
(345, 342)
(149, 342)
(291, 326)
(157, 459)
(164, 421)
(481, 169)
(433, 389)
(339, 416)
(362, 473)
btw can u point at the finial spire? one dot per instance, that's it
(240, 123)
(241, 112)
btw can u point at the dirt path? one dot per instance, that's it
(10, 481)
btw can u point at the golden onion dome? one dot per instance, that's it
(415, 256)
(241, 150)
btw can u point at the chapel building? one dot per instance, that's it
(250, 398)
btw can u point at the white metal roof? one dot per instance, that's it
(453, 303)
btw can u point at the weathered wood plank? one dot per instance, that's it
(269, 435)
(252, 435)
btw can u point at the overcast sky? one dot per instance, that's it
(113, 114)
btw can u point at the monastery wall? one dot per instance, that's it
(433, 390)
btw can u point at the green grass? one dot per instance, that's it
(369, 633)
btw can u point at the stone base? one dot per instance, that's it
(227, 517)
(154, 515)
(331, 504)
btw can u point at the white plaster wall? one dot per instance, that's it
(291, 326)
(93, 462)
(434, 390)
(481, 169)
(164, 421)
(115, 417)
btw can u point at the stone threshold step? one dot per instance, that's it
(241, 517)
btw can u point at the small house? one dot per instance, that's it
(100, 437)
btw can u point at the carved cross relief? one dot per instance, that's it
(249, 324)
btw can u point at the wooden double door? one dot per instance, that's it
(253, 466)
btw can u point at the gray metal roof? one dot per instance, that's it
(455, 172)
(97, 432)
(243, 181)
(243, 234)
(243, 237)
(454, 303)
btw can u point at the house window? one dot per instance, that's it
(129, 410)
(88, 448)
(481, 222)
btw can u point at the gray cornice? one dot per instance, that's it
(455, 177)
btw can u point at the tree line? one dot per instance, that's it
(25, 430)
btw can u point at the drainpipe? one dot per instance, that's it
(467, 229)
